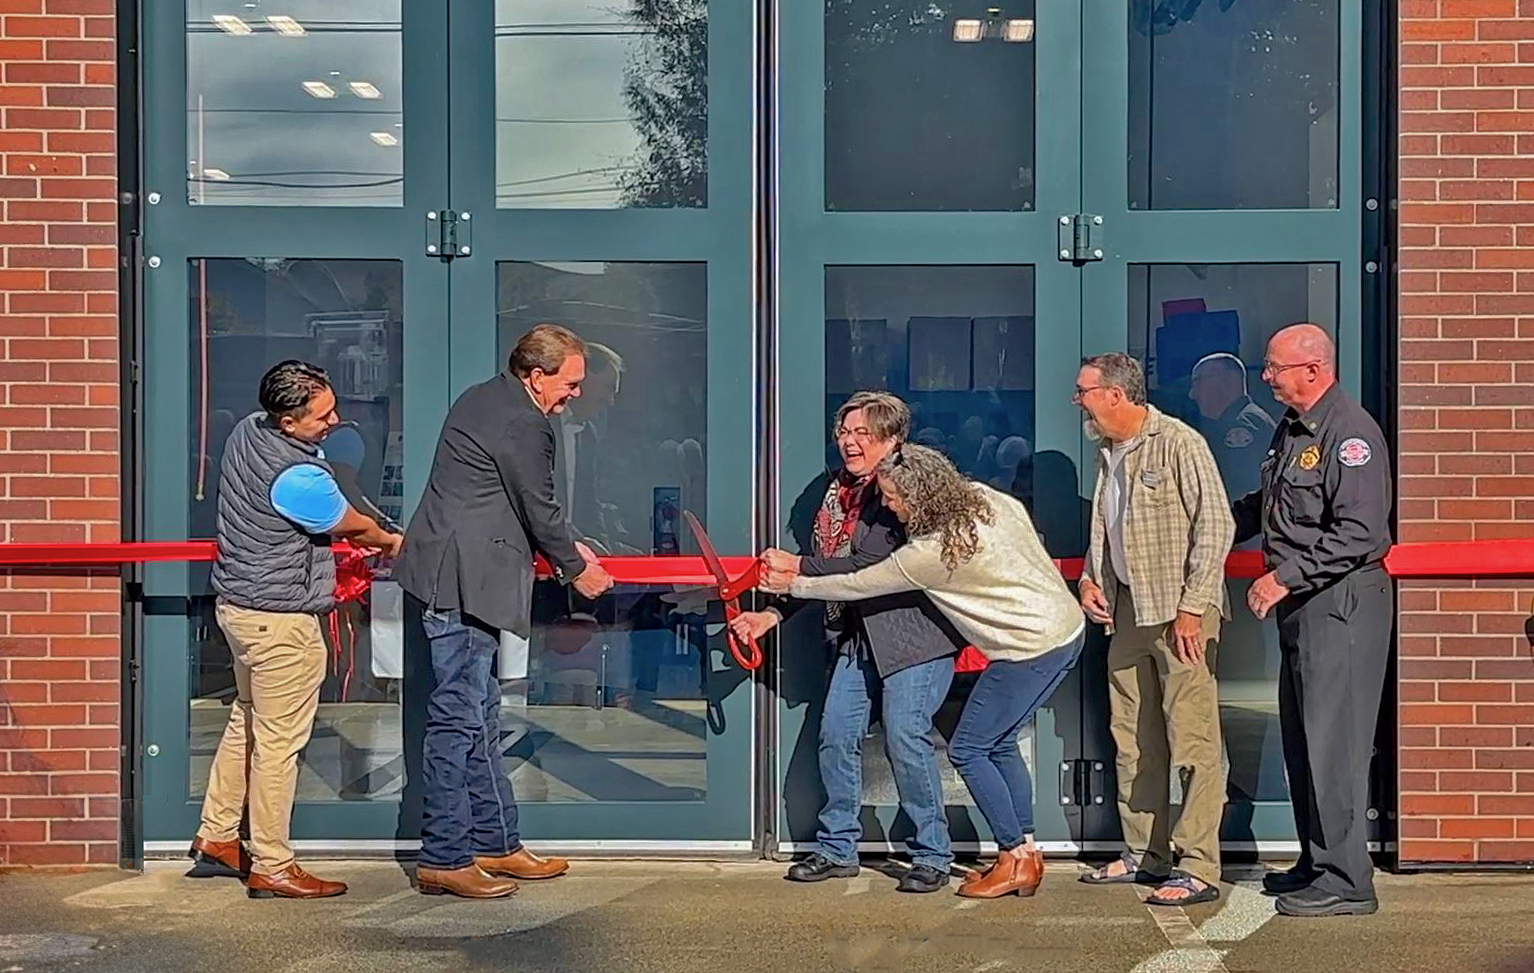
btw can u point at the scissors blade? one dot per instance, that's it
(706, 547)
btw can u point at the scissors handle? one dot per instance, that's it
(748, 656)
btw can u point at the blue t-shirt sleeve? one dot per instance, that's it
(310, 497)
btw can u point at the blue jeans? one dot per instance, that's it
(984, 747)
(910, 699)
(469, 808)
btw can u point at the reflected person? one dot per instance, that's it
(1238, 429)
(973, 551)
(896, 650)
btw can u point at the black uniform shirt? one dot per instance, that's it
(1237, 439)
(1324, 505)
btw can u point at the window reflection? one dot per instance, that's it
(300, 106)
(609, 701)
(918, 118)
(344, 315)
(601, 105)
(1201, 331)
(1233, 104)
(957, 344)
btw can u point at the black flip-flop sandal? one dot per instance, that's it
(1209, 893)
(1131, 876)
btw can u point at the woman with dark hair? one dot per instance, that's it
(974, 552)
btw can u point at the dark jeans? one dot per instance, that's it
(984, 747)
(910, 699)
(469, 808)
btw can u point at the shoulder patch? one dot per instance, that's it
(1238, 437)
(1354, 452)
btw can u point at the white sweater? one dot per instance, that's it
(1009, 599)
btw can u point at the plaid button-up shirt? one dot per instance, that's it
(1177, 525)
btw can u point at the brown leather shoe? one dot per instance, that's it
(1010, 875)
(218, 859)
(525, 865)
(469, 882)
(291, 883)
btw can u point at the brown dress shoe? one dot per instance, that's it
(291, 883)
(524, 864)
(469, 882)
(218, 859)
(1010, 875)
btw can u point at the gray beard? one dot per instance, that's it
(1092, 430)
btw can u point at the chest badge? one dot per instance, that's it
(1310, 458)
(1239, 437)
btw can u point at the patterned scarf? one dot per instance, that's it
(837, 520)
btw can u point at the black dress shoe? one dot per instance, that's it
(1278, 883)
(922, 878)
(818, 868)
(1311, 901)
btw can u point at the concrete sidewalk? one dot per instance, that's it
(616, 917)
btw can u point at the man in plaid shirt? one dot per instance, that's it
(1155, 576)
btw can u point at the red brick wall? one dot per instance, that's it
(59, 651)
(1467, 423)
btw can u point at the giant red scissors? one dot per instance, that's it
(748, 655)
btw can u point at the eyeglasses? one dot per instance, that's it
(1274, 368)
(860, 434)
(1081, 393)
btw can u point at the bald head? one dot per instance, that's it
(1301, 366)
(1304, 342)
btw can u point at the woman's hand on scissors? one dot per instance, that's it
(753, 625)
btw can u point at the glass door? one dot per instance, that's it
(927, 156)
(1221, 146)
(290, 157)
(604, 154)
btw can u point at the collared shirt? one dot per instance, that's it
(1324, 505)
(1177, 525)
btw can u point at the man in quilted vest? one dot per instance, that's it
(278, 507)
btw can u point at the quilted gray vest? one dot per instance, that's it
(266, 561)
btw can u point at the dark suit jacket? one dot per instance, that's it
(900, 630)
(489, 506)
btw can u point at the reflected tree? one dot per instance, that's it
(666, 91)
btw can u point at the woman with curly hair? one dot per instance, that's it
(976, 555)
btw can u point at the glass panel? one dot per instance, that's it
(956, 343)
(1178, 315)
(601, 106)
(1233, 105)
(344, 315)
(298, 107)
(611, 703)
(929, 107)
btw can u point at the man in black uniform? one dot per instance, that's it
(1236, 427)
(1324, 512)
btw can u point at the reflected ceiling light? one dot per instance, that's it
(1018, 31)
(286, 26)
(230, 24)
(217, 175)
(968, 31)
(365, 89)
(319, 89)
(383, 138)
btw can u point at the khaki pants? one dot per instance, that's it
(1165, 713)
(279, 665)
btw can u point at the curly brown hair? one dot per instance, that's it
(940, 499)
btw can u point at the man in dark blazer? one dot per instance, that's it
(489, 506)
(897, 650)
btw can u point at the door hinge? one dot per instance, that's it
(1081, 238)
(447, 234)
(1082, 782)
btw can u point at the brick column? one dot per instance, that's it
(59, 650)
(1467, 423)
